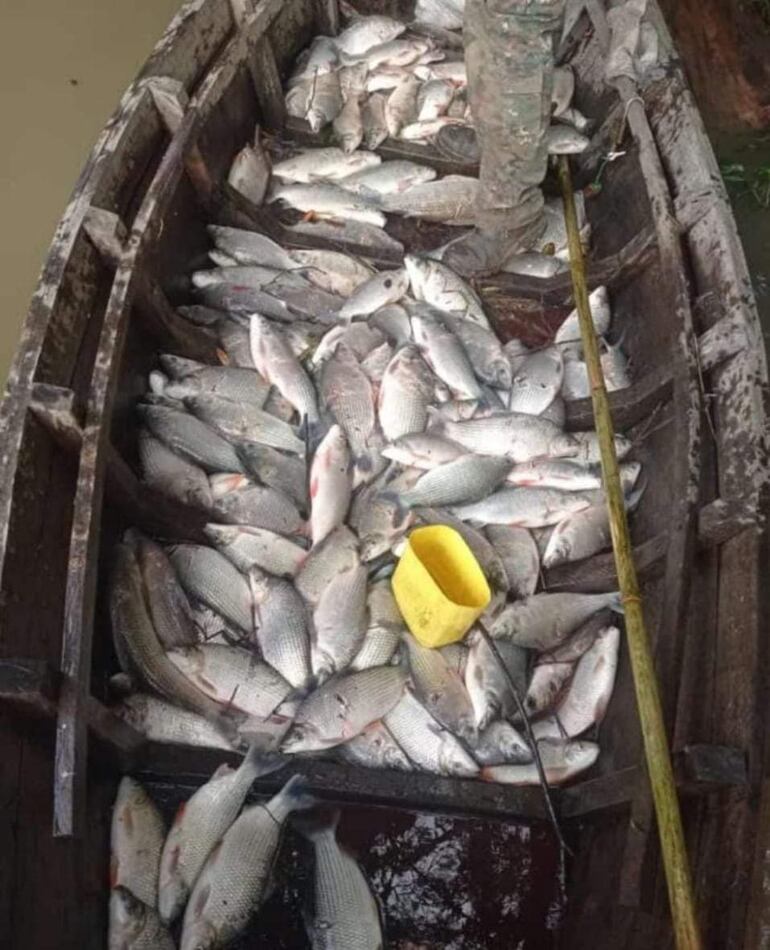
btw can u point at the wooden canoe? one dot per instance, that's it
(665, 243)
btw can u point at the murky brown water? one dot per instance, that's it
(63, 68)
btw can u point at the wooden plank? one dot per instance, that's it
(629, 406)
(77, 638)
(597, 574)
(723, 519)
(327, 17)
(267, 83)
(727, 337)
(163, 322)
(31, 688)
(699, 770)
(337, 782)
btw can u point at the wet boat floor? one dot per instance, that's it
(442, 882)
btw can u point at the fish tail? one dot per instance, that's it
(296, 794)
(319, 825)
(615, 602)
(259, 761)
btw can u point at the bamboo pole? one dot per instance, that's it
(658, 758)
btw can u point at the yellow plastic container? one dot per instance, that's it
(439, 587)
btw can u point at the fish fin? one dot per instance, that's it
(435, 420)
(317, 825)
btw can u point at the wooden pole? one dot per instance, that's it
(658, 758)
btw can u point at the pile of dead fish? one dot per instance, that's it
(329, 432)
(379, 78)
(209, 876)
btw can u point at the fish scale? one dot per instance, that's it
(347, 393)
(426, 743)
(207, 575)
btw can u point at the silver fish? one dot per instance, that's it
(343, 707)
(168, 606)
(385, 288)
(516, 435)
(486, 355)
(425, 130)
(589, 693)
(385, 79)
(251, 247)
(425, 742)
(364, 33)
(486, 682)
(297, 98)
(164, 722)
(405, 394)
(399, 52)
(520, 557)
(170, 474)
(373, 120)
(574, 117)
(136, 840)
(250, 174)
(199, 824)
(467, 479)
(353, 80)
(137, 645)
(241, 502)
(347, 916)
(376, 362)
(282, 627)
(588, 447)
(534, 264)
(439, 286)
(453, 71)
(440, 689)
(393, 321)
(501, 744)
(348, 125)
(279, 407)
(285, 473)
(330, 201)
(388, 178)
(328, 163)
(359, 338)
(274, 359)
(249, 547)
(556, 412)
(456, 655)
(226, 382)
(374, 748)
(599, 303)
(134, 925)
(450, 200)
(235, 877)
(565, 140)
(554, 670)
(340, 623)
(252, 276)
(537, 381)
(241, 299)
(384, 629)
(344, 232)
(321, 57)
(561, 762)
(378, 517)
(523, 507)
(338, 273)
(578, 536)
(191, 438)
(209, 576)
(325, 101)
(445, 355)
(544, 621)
(422, 450)
(401, 107)
(433, 99)
(331, 484)
(201, 316)
(244, 422)
(615, 367)
(232, 676)
(347, 393)
(575, 384)
(555, 473)
(339, 552)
